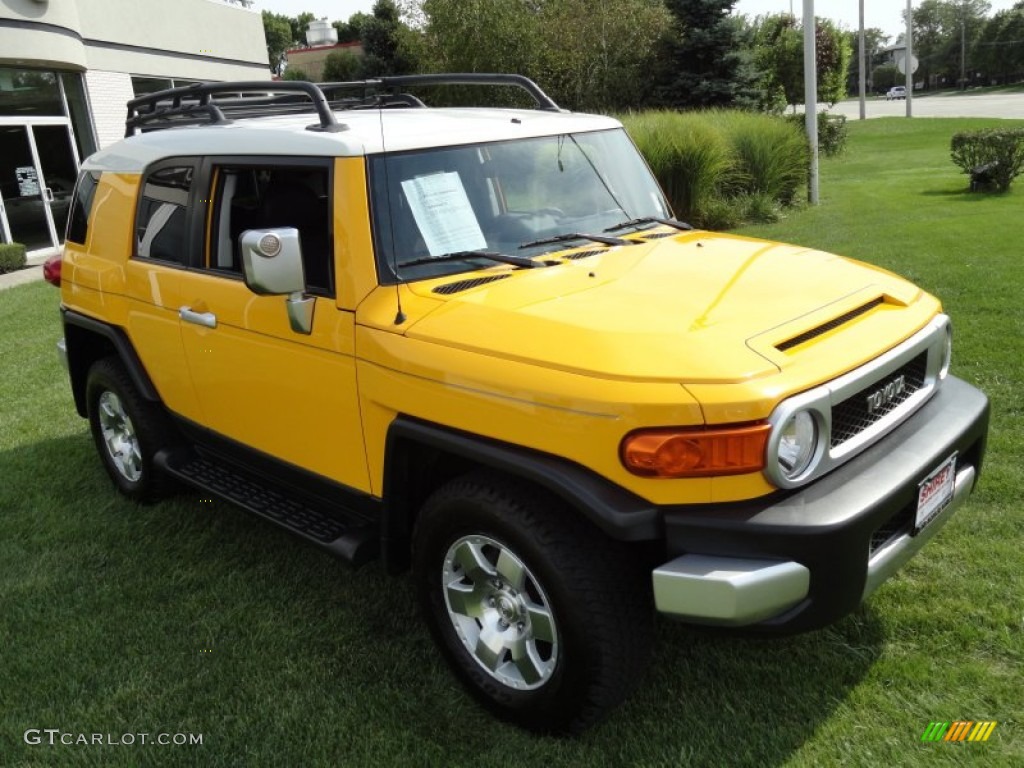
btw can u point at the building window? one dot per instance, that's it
(78, 111)
(29, 93)
(143, 86)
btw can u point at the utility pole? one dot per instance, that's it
(963, 45)
(862, 68)
(811, 95)
(909, 60)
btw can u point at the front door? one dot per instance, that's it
(289, 395)
(38, 167)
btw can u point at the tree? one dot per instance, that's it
(779, 55)
(999, 51)
(586, 55)
(386, 49)
(885, 77)
(833, 59)
(944, 32)
(699, 62)
(874, 41)
(299, 25)
(352, 30)
(278, 31)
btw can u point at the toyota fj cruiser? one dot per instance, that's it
(476, 342)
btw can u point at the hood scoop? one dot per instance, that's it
(831, 325)
(658, 235)
(464, 285)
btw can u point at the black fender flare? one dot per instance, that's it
(617, 512)
(82, 354)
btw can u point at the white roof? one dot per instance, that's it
(367, 132)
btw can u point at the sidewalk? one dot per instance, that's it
(31, 273)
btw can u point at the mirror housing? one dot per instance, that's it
(272, 265)
(272, 261)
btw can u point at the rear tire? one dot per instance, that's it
(128, 431)
(547, 621)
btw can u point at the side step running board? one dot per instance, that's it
(353, 538)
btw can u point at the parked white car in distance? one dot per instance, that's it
(896, 92)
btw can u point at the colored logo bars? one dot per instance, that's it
(961, 730)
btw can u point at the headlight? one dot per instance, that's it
(947, 353)
(798, 444)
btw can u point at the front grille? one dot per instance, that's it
(464, 285)
(900, 523)
(854, 414)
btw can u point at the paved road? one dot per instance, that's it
(1010, 105)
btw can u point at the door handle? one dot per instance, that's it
(48, 194)
(205, 319)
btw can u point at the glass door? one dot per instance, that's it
(38, 167)
(59, 165)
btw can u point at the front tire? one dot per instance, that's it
(545, 620)
(128, 431)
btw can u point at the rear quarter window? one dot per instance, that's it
(81, 207)
(161, 225)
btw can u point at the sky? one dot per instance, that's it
(886, 14)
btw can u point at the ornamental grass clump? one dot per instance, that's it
(720, 167)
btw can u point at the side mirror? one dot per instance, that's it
(272, 261)
(272, 264)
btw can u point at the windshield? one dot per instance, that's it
(496, 197)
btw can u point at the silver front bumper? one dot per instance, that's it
(891, 557)
(731, 591)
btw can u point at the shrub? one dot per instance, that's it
(12, 257)
(992, 157)
(342, 66)
(832, 131)
(718, 214)
(294, 73)
(759, 208)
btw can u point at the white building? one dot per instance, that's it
(67, 68)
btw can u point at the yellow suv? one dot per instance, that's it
(475, 343)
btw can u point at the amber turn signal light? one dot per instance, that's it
(685, 452)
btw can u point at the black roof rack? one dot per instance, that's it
(217, 103)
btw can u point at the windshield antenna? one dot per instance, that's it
(399, 314)
(598, 174)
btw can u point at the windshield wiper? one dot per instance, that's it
(650, 220)
(578, 236)
(504, 258)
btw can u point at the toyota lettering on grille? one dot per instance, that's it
(884, 396)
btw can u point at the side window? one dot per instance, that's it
(161, 224)
(261, 197)
(81, 207)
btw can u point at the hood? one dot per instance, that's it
(697, 307)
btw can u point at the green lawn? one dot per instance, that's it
(191, 617)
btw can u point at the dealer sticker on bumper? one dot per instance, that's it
(935, 492)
